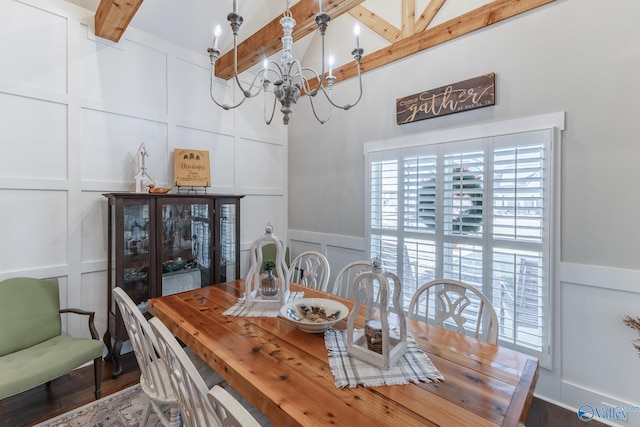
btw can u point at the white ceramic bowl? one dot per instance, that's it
(314, 315)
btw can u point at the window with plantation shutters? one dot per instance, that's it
(476, 210)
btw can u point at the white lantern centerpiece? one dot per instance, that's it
(377, 346)
(266, 290)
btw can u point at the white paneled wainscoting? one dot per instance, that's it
(595, 362)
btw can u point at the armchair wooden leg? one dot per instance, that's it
(97, 372)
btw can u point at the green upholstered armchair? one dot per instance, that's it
(33, 350)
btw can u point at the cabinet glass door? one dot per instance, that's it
(186, 245)
(136, 253)
(228, 242)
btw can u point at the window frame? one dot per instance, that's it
(554, 123)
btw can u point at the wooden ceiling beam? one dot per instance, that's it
(482, 17)
(428, 14)
(113, 17)
(376, 23)
(266, 41)
(408, 17)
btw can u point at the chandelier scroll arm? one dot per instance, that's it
(304, 81)
(213, 55)
(273, 109)
(313, 108)
(322, 20)
(235, 21)
(357, 55)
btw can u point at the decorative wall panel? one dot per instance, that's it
(94, 226)
(257, 211)
(33, 47)
(191, 100)
(129, 75)
(110, 143)
(260, 165)
(592, 325)
(34, 138)
(298, 247)
(33, 229)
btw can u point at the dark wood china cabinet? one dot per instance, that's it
(164, 244)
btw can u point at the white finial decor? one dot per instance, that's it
(142, 178)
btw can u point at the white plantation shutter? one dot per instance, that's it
(476, 211)
(419, 193)
(520, 231)
(384, 208)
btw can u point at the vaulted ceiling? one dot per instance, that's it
(413, 35)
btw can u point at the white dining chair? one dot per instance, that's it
(154, 377)
(199, 405)
(342, 284)
(310, 269)
(456, 303)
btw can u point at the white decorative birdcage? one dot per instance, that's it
(263, 288)
(378, 346)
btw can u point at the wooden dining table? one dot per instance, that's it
(285, 373)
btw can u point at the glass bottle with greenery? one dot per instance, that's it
(269, 284)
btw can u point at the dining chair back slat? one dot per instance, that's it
(456, 305)
(154, 378)
(346, 276)
(310, 269)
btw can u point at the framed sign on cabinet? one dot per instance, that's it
(191, 168)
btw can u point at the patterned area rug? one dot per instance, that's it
(124, 408)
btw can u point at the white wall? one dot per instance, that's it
(74, 110)
(577, 56)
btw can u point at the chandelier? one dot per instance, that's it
(290, 79)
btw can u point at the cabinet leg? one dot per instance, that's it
(115, 358)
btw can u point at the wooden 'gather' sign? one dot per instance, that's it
(191, 168)
(462, 96)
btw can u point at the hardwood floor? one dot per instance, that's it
(76, 389)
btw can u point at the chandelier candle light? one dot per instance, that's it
(290, 78)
